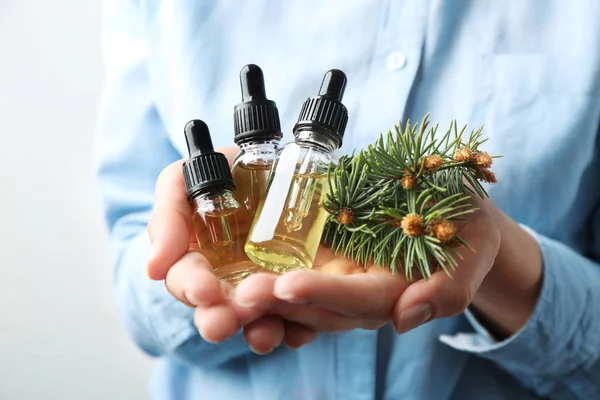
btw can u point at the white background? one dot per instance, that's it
(60, 335)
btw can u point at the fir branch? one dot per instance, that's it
(394, 204)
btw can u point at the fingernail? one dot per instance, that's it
(286, 344)
(287, 296)
(228, 290)
(245, 304)
(190, 298)
(262, 306)
(209, 341)
(413, 317)
(290, 298)
(260, 353)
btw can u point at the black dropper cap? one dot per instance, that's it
(205, 169)
(325, 112)
(256, 117)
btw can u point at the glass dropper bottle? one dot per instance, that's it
(287, 229)
(258, 134)
(209, 184)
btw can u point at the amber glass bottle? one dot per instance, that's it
(219, 228)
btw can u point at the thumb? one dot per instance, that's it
(170, 225)
(444, 296)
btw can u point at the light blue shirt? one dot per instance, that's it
(528, 70)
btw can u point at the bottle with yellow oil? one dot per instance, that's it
(219, 228)
(258, 134)
(287, 229)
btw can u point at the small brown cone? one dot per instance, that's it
(463, 154)
(443, 230)
(408, 181)
(412, 225)
(345, 216)
(433, 163)
(488, 176)
(483, 159)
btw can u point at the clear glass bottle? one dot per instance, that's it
(258, 134)
(220, 230)
(287, 229)
(250, 171)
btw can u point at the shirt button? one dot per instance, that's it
(395, 61)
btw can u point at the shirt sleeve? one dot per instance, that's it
(557, 353)
(131, 149)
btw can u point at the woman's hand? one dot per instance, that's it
(189, 278)
(374, 297)
(406, 304)
(174, 258)
(338, 295)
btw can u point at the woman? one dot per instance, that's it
(520, 320)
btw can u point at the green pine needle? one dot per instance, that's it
(376, 192)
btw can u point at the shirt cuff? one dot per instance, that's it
(157, 322)
(563, 333)
(160, 324)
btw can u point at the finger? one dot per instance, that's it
(264, 334)
(319, 319)
(441, 296)
(192, 282)
(297, 335)
(366, 295)
(216, 323)
(170, 225)
(254, 298)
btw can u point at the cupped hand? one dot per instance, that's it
(373, 297)
(303, 321)
(174, 258)
(189, 277)
(337, 295)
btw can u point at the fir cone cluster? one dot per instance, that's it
(412, 225)
(442, 229)
(345, 216)
(408, 180)
(397, 202)
(433, 163)
(480, 161)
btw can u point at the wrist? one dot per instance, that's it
(509, 293)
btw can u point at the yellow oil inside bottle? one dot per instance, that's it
(221, 236)
(251, 184)
(288, 233)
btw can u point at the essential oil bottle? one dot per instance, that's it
(287, 229)
(219, 230)
(258, 134)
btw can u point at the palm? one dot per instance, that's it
(377, 297)
(337, 295)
